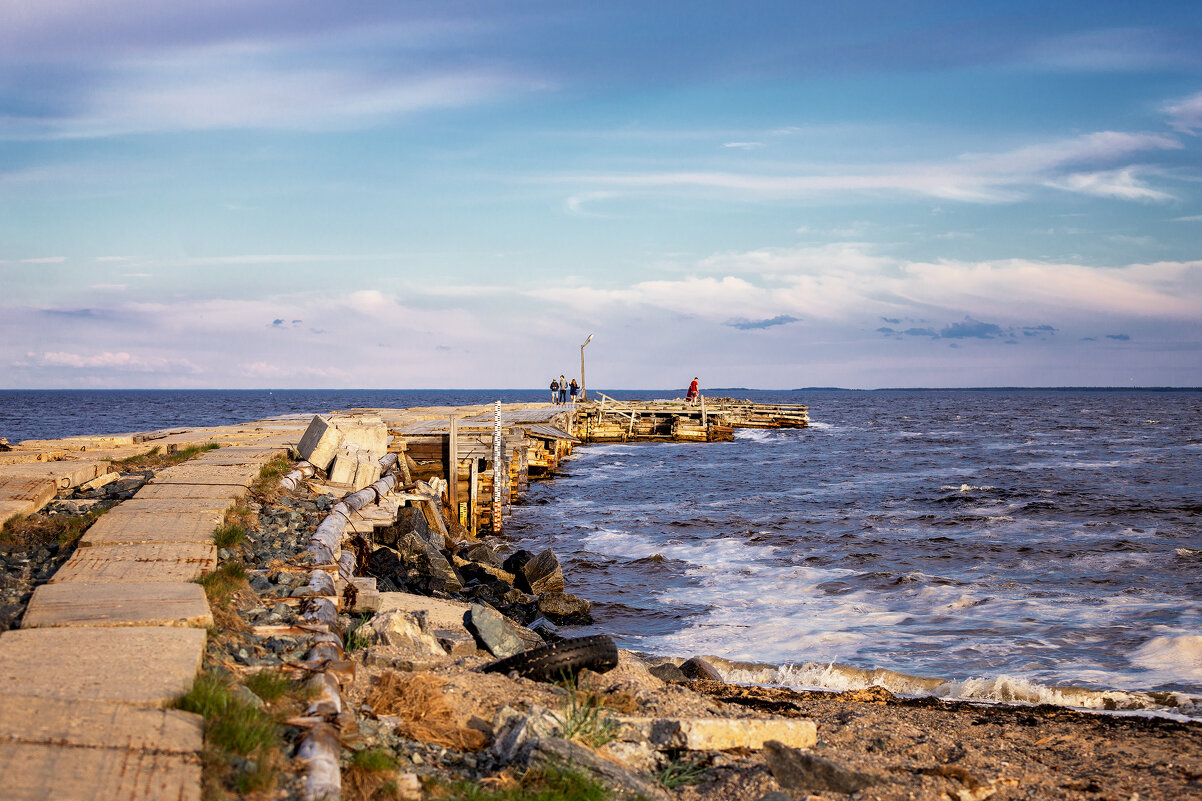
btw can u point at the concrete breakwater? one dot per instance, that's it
(119, 628)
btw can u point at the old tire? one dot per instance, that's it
(566, 658)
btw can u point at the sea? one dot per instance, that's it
(1030, 546)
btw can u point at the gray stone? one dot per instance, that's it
(431, 567)
(494, 633)
(563, 607)
(543, 573)
(698, 668)
(801, 771)
(668, 672)
(483, 553)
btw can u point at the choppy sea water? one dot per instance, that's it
(1038, 546)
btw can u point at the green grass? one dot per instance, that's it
(376, 760)
(223, 582)
(227, 535)
(270, 685)
(355, 640)
(587, 721)
(535, 785)
(266, 487)
(155, 459)
(678, 774)
(233, 727)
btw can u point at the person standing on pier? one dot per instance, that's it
(693, 392)
(563, 390)
(554, 391)
(573, 390)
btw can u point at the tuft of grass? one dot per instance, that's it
(356, 640)
(270, 685)
(585, 720)
(155, 459)
(546, 784)
(227, 535)
(376, 760)
(266, 488)
(679, 774)
(242, 743)
(221, 585)
(35, 531)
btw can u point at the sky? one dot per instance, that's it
(268, 194)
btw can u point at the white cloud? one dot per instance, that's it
(109, 360)
(976, 177)
(45, 260)
(744, 145)
(108, 287)
(111, 258)
(1186, 115)
(1122, 184)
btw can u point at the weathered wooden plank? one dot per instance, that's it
(125, 527)
(153, 562)
(34, 772)
(99, 724)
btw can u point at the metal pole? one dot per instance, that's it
(453, 467)
(583, 383)
(496, 468)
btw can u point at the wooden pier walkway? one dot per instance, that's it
(119, 631)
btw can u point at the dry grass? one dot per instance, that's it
(370, 776)
(425, 715)
(37, 530)
(266, 488)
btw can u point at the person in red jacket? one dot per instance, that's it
(691, 397)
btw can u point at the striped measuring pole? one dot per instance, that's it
(497, 468)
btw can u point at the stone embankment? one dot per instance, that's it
(369, 580)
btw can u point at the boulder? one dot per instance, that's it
(408, 519)
(401, 629)
(542, 574)
(698, 668)
(668, 672)
(483, 553)
(496, 634)
(426, 566)
(565, 608)
(517, 560)
(556, 752)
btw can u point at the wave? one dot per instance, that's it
(999, 689)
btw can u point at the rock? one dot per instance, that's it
(557, 752)
(515, 731)
(542, 574)
(775, 795)
(401, 629)
(565, 608)
(804, 772)
(246, 696)
(719, 734)
(517, 560)
(457, 642)
(319, 444)
(483, 553)
(698, 668)
(433, 571)
(408, 519)
(494, 633)
(668, 672)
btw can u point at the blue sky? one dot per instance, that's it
(455, 194)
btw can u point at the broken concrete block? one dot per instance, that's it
(319, 444)
(346, 464)
(367, 431)
(719, 734)
(367, 470)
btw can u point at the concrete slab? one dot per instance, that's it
(99, 724)
(64, 474)
(123, 527)
(215, 506)
(101, 564)
(136, 665)
(155, 603)
(189, 473)
(227, 491)
(440, 614)
(61, 773)
(240, 454)
(23, 495)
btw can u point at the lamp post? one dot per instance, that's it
(583, 384)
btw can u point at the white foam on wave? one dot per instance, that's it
(1177, 657)
(1004, 689)
(964, 488)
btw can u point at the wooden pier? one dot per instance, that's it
(707, 420)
